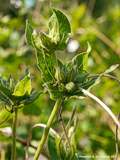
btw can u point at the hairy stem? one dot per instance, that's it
(13, 155)
(46, 130)
(104, 106)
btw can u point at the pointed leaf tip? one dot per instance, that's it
(59, 28)
(89, 48)
(23, 87)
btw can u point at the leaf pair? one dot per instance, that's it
(47, 44)
(59, 29)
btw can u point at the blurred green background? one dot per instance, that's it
(96, 21)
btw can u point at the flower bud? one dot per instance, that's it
(70, 86)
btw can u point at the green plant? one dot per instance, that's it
(61, 80)
(13, 96)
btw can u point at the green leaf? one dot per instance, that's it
(89, 82)
(33, 96)
(85, 58)
(81, 60)
(59, 28)
(11, 83)
(4, 116)
(42, 41)
(46, 63)
(64, 72)
(80, 78)
(28, 33)
(60, 71)
(5, 91)
(52, 148)
(5, 86)
(36, 40)
(23, 87)
(5, 99)
(53, 91)
(46, 43)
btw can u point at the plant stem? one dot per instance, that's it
(104, 106)
(46, 130)
(13, 155)
(117, 141)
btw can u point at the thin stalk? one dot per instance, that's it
(13, 155)
(104, 106)
(46, 130)
(64, 129)
(112, 77)
(116, 141)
